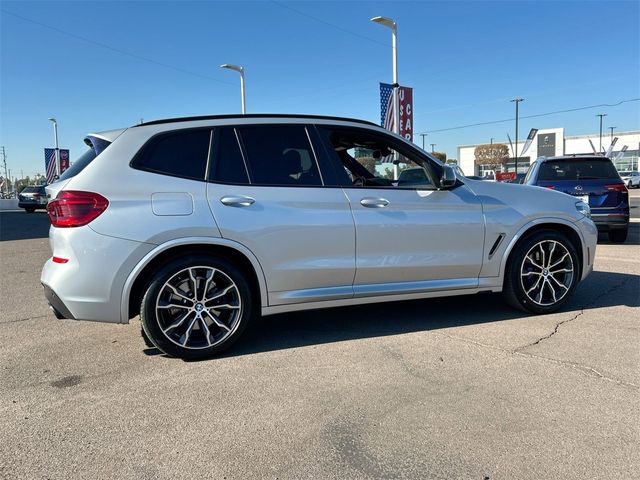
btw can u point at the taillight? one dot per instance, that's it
(551, 187)
(75, 209)
(618, 187)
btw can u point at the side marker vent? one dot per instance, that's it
(496, 244)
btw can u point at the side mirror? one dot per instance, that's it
(448, 178)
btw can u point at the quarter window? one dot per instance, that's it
(280, 155)
(181, 154)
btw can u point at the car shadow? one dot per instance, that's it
(316, 327)
(23, 226)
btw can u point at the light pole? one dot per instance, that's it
(390, 23)
(433, 145)
(611, 128)
(55, 134)
(491, 141)
(240, 70)
(601, 115)
(423, 135)
(517, 101)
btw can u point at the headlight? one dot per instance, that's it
(584, 209)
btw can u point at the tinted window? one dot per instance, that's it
(228, 165)
(76, 167)
(371, 160)
(182, 154)
(33, 190)
(578, 169)
(280, 155)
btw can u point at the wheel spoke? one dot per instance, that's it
(178, 322)
(178, 294)
(560, 284)
(535, 285)
(205, 327)
(543, 255)
(217, 321)
(225, 306)
(195, 285)
(562, 270)
(528, 274)
(187, 333)
(172, 305)
(208, 284)
(221, 294)
(553, 291)
(551, 254)
(533, 263)
(559, 261)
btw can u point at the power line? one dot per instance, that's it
(536, 115)
(332, 25)
(117, 50)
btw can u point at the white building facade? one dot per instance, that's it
(552, 142)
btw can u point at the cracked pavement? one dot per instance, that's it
(460, 387)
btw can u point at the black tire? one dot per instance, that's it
(30, 210)
(200, 344)
(630, 185)
(514, 290)
(618, 236)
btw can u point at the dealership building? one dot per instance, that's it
(553, 142)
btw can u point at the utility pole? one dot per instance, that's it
(491, 140)
(601, 115)
(432, 147)
(4, 160)
(517, 101)
(423, 135)
(611, 128)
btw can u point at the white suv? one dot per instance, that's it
(199, 224)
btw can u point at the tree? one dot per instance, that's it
(492, 155)
(440, 156)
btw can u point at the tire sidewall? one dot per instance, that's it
(148, 314)
(515, 263)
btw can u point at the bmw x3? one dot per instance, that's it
(201, 224)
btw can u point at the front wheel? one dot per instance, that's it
(541, 273)
(196, 306)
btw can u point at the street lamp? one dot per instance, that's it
(55, 134)
(611, 128)
(423, 135)
(390, 23)
(601, 115)
(240, 70)
(433, 145)
(517, 101)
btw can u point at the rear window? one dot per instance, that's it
(32, 190)
(578, 169)
(76, 167)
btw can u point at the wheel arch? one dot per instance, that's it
(239, 254)
(557, 224)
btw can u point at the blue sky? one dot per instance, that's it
(109, 64)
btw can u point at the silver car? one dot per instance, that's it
(201, 224)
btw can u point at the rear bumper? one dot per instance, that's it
(32, 205)
(606, 221)
(89, 285)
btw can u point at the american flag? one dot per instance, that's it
(50, 164)
(387, 118)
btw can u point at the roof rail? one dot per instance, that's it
(253, 115)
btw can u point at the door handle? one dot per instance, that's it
(237, 201)
(371, 202)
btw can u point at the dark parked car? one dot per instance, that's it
(593, 179)
(32, 198)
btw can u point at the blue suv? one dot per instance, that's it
(592, 179)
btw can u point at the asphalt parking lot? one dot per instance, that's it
(459, 387)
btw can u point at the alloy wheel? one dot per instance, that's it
(547, 273)
(198, 307)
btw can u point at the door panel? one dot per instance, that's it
(414, 235)
(303, 237)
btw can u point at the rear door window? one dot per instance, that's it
(227, 164)
(578, 169)
(179, 154)
(280, 155)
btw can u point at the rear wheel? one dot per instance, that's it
(630, 184)
(30, 209)
(618, 236)
(196, 306)
(542, 272)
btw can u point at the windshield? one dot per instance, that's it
(578, 169)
